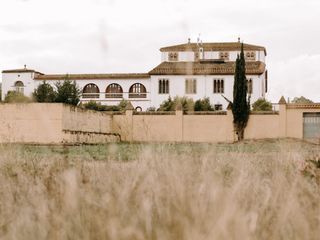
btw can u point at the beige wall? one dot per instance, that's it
(86, 120)
(208, 128)
(263, 126)
(288, 122)
(174, 128)
(57, 123)
(53, 123)
(294, 126)
(32, 123)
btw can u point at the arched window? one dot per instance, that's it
(19, 86)
(137, 90)
(114, 90)
(90, 91)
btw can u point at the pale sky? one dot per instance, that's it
(110, 36)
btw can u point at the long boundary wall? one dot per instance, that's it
(210, 127)
(44, 123)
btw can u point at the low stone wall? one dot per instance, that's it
(89, 137)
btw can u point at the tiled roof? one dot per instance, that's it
(205, 68)
(93, 76)
(22, 70)
(223, 46)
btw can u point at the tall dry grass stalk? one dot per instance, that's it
(162, 194)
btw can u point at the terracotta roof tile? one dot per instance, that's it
(223, 46)
(93, 76)
(22, 70)
(205, 68)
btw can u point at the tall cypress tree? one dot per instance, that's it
(241, 103)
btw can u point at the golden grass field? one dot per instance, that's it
(251, 190)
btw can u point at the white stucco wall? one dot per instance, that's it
(102, 84)
(154, 99)
(204, 88)
(9, 79)
(189, 56)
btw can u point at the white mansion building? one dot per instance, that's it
(191, 69)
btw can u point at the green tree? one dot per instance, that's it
(241, 103)
(203, 105)
(262, 105)
(302, 100)
(68, 92)
(16, 97)
(44, 93)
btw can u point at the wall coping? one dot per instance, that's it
(303, 106)
(264, 113)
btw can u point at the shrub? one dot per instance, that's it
(167, 105)
(68, 92)
(262, 105)
(44, 93)
(151, 109)
(123, 104)
(302, 100)
(186, 104)
(93, 105)
(203, 105)
(16, 97)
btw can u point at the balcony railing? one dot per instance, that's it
(115, 96)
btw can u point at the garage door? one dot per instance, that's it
(311, 125)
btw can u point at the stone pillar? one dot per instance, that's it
(282, 118)
(129, 122)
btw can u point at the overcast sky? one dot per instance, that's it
(107, 36)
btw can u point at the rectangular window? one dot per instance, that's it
(250, 85)
(173, 56)
(196, 56)
(218, 85)
(250, 56)
(218, 107)
(191, 86)
(163, 86)
(266, 87)
(224, 55)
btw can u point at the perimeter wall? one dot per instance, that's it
(210, 127)
(44, 123)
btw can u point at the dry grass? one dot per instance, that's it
(242, 191)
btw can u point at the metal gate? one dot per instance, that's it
(311, 125)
